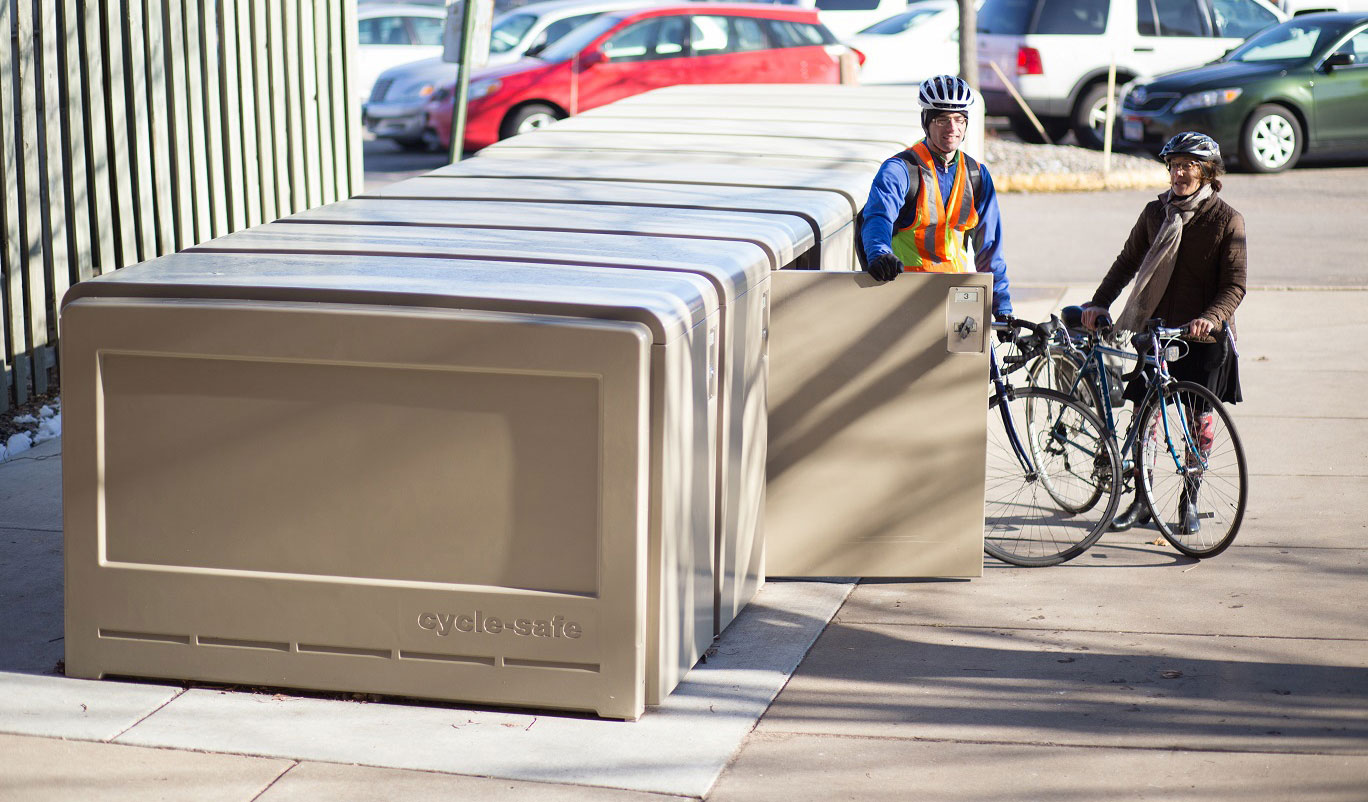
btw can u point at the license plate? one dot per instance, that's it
(1133, 130)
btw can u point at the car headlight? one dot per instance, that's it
(418, 91)
(1207, 99)
(479, 89)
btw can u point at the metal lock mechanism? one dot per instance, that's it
(965, 312)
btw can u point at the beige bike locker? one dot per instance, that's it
(738, 271)
(478, 482)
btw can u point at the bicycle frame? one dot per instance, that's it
(1155, 368)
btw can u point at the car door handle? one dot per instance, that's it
(1144, 50)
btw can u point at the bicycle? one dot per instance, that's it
(1053, 476)
(1185, 454)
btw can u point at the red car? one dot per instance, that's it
(625, 53)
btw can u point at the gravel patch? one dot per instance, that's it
(1018, 167)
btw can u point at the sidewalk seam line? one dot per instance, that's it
(275, 780)
(152, 713)
(1108, 631)
(1052, 744)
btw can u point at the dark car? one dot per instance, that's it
(1298, 87)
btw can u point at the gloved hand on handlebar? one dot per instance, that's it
(885, 267)
(1004, 335)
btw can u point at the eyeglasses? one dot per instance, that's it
(951, 120)
(1184, 167)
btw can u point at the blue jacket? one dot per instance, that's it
(884, 211)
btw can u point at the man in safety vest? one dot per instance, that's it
(910, 229)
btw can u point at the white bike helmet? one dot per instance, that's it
(945, 93)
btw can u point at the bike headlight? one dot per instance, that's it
(1207, 99)
(479, 89)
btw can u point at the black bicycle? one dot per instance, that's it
(1053, 476)
(1184, 460)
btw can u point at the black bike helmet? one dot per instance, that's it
(1191, 143)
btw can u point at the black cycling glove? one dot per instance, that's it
(885, 267)
(1004, 335)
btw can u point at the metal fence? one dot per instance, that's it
(133, 128)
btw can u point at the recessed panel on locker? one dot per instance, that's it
(738, 271)
(480, 482)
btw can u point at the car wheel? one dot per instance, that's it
(431, 140)
(1021, 126)
(413, 143)
(1090, 116)
(1272, 140)
(529, 118)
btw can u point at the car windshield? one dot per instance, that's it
(901, 22)
(509, 31)
(1293, 40)
(578, 39)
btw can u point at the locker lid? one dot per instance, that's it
(849, 179)
(895, 137)
(733, 267)
(690, 146)
(800, 211)
(669, 304)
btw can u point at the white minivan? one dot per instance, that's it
(1057, 52)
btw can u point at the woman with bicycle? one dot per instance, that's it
(1186, 255)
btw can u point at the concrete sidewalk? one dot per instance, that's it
(1130, 673)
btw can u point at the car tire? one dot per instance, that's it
(1022, 128)
(1090, 114)
(1271, 140)
(529, 118)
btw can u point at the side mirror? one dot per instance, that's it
(589, 58)
(1338, 60)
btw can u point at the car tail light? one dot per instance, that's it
(1028, 61)
(858, 54)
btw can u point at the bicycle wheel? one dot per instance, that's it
(1191, 469)
(1057, 369)
(1070, 459)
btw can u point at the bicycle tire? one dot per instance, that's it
(1222, 485)
(1024, 524)
(1057, 369)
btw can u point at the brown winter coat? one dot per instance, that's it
(1208, 275)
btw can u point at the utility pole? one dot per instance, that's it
(968, 42)
(458, 108)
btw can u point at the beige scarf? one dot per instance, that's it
(1152, 279)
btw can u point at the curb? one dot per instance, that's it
(1081, 182)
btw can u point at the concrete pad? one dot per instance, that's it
(1086, 688)
(777, 767)
(678, 748)
(326, 782)
(1282, 445)
(1289, 391)
(58, 707)
(1121, 585)
(50, 770)
(31, 598)
(31, 489)
(1297, 511)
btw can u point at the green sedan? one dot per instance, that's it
(1298, 86)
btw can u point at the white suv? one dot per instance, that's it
(1056, 52)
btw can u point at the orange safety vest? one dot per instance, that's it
(934, 242)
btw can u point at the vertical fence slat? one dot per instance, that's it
(158, 127)
(245, 76)
(11, 256)
(57, 236)
(261, 84)
(230, 96)
(75, 191)
(324, 188)
(120, 167)
(139, 130)
(287, 56)
(179, 137)
(345, 111)
(84, 181)
(214, 108)
(31, 194)
(277, 120)
(193, 99)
